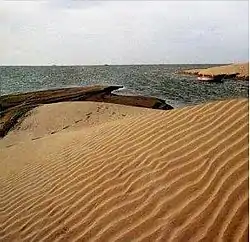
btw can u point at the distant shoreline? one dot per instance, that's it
(103, 65)
(239, 71)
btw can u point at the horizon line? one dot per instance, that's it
(136, 64)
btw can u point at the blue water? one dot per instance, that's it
(160, 81)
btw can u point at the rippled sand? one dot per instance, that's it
(106, 172)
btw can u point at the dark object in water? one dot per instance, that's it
(217, 78)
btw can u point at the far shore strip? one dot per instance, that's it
(240, 70)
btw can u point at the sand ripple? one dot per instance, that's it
(178, 175)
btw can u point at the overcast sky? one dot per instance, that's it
(122, 32)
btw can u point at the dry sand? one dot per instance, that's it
(242, 69)
(58, 117)
(126, 174)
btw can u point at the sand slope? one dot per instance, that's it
(15, 106)
(179, 175)
(59, 117)
(241, 70)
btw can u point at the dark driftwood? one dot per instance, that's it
(14, 106)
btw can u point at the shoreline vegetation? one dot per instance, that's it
(233, 71)
(14, 106)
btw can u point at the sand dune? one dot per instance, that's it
(59, 117)
(240, 70)
(14, 106)
(177, 175)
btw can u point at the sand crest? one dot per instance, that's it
(151, 175)
(14, 106)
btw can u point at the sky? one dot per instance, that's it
(65, 32)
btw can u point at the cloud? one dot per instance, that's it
(123, 32)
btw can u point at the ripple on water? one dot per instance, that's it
(150, 80)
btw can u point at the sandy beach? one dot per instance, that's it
(110, 131)
(241, 71)
(88, 171)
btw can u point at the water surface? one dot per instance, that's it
(160, 81)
